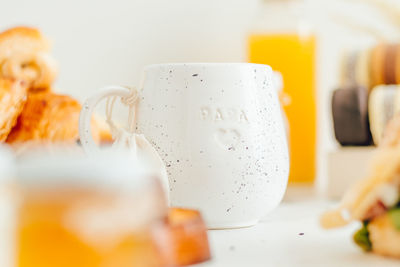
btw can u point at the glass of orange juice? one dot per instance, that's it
(87, 211)
(283, 39)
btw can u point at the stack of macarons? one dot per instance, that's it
(368, 96)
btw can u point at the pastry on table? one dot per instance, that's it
(24, 55)
(375, 201)
(182, 239)
(49, 117)
(13, 95)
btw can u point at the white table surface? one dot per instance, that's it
(275, 241)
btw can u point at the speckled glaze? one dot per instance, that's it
(219, 130)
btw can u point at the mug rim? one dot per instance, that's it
(197, 64)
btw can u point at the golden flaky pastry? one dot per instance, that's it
(13, 95)
(24, 55)
(49, 117)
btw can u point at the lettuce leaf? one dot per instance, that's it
(361, 238)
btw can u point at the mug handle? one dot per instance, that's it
(85, 131)
(128, 97)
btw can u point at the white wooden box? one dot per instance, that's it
(345, 166)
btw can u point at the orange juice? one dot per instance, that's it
(80, 228)
(294, 56)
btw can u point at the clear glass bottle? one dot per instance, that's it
(283, 38)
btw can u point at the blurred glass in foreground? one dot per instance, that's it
(87, 211)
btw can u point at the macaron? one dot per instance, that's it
(354, 68)
(348, 68)
(389, 65)
(384, 103)
(362, 68)
(350, 116)
(377, 65)
(397, 64)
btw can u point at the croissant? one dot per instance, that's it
(49, 117)
(13, 95)
(24, 55)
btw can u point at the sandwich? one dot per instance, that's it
(375, 201)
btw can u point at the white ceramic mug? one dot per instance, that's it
(218, 128)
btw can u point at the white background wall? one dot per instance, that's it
(103, 42)
(108, 42)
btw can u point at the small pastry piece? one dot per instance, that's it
(350, 116)
(384, 103)
(13, 95)
(182, 240)
(24, 55)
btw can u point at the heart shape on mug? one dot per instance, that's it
(227, 138)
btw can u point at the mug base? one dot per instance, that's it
(226, 226)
